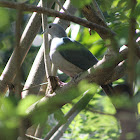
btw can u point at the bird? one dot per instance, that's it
(68, 55)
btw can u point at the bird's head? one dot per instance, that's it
(56, 30)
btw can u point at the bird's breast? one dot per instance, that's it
(61, 63)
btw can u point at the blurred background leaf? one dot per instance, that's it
(80, 3)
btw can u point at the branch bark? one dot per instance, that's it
(132, 45)
(17, 82)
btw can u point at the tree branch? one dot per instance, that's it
(53, 13)
(64, 95)
(47, 61)
(91, 15)
(61, 6)
(98, 10)
(102, 72)
(132, 45)
(32, 137)
(17, 81)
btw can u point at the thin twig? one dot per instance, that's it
(46, 44)
(35, 86)
(61, 6)
(32, 137)
(99, 112)
(59, 133)
(39, 130)
(47, 60)
(98, 10)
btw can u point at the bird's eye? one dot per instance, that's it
(50, 26)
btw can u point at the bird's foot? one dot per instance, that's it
(54, 84)
(60, 83)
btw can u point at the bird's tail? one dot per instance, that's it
(108, 89)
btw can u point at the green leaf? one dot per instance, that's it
(8, 116)
(6, 108)
(25, 103)
(80, 3)
(5, 20)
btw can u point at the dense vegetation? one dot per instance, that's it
(92, 115)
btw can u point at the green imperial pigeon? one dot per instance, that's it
(68, 55)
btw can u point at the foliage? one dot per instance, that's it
(93, 125)
(100, 124)
(80, 3)
(11, 113)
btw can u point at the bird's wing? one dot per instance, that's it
(77, 54)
